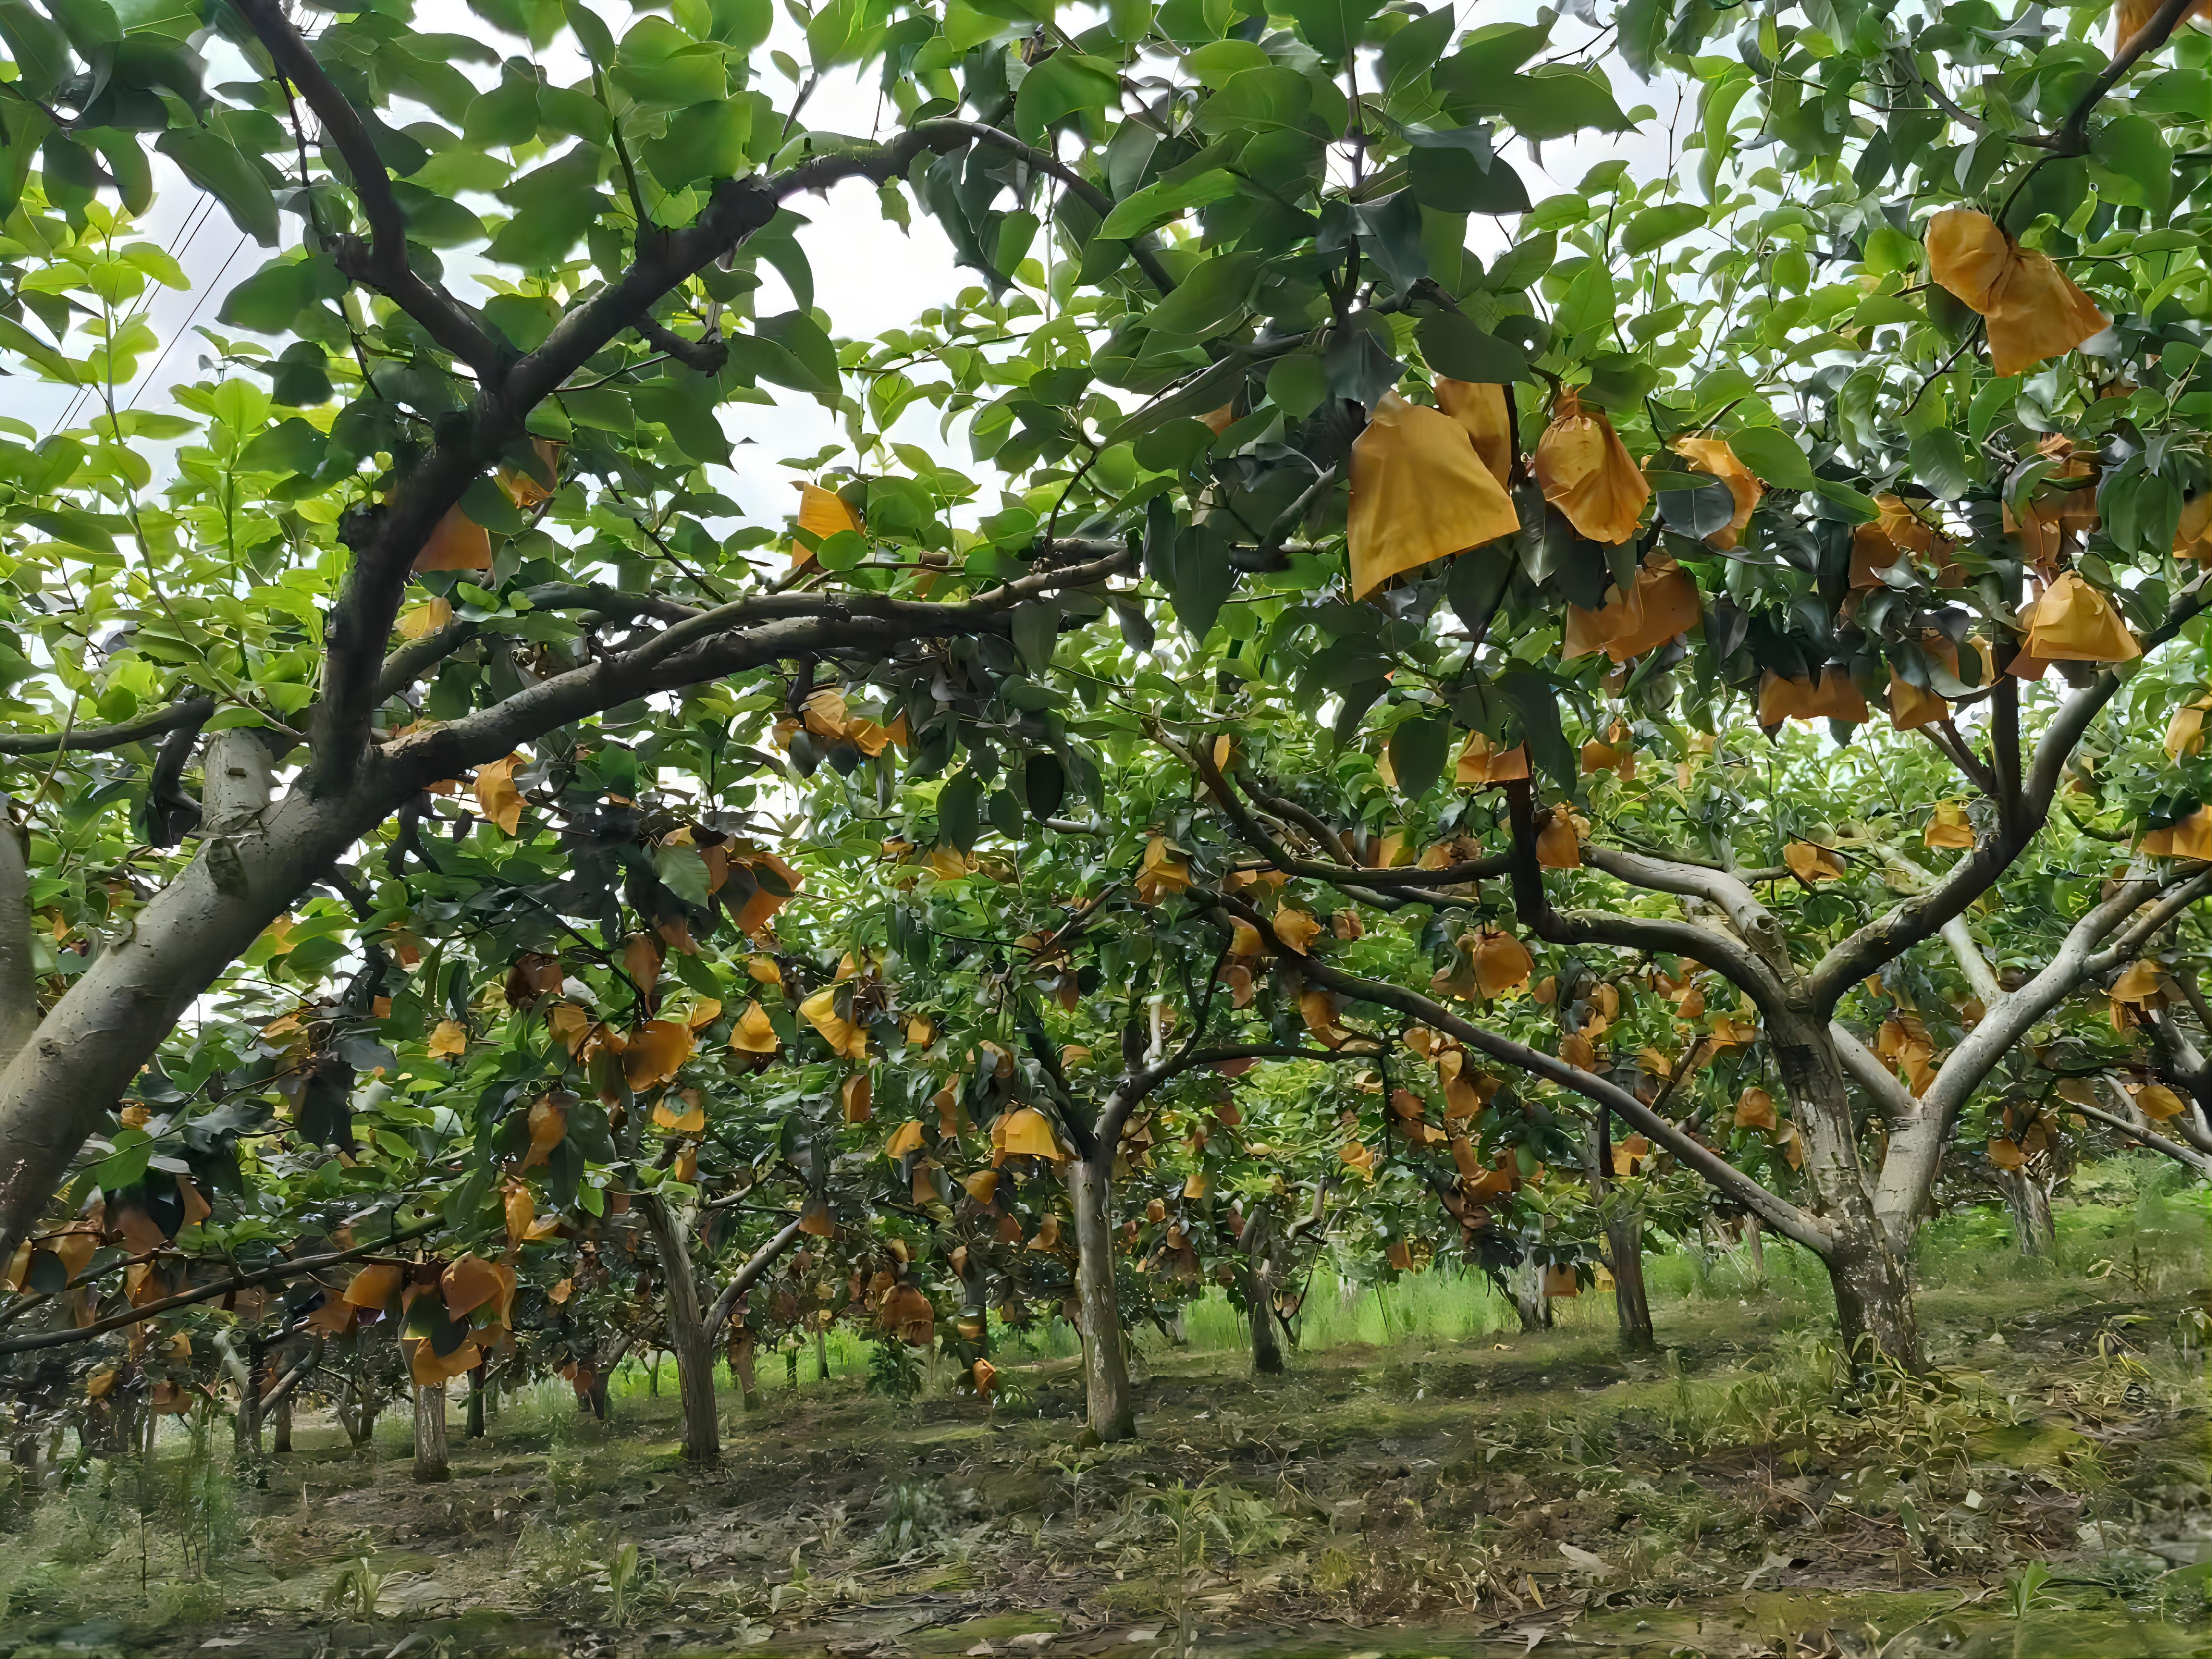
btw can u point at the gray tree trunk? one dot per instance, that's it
(1873, 1285)
(1260, 1273)
(2027, 1195)
(1110, 1404)
(432, 1462)
(693, 1344)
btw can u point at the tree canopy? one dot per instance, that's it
(1473, 722)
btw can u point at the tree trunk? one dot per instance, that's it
(694, 1345)
(282, 1441)
(1110, 1404)
(431, 1462)
(1756, 1240)
(250, 1391)
(1624, 1240)
(2027, 1195)
(1874, 1314)
(741, 1367)
(1528, 1298)
(1260, 1274)
(1873, 1285)
(477, 1380)
(821, 1354)
(94, 1042)
(1623, 1244)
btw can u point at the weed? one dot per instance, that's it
(918, 1519)
(355, 1589)
(624, 1567)
(893, 1371)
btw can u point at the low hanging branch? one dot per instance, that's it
(270, 1275)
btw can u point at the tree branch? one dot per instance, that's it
(1730, 957)
(19, 986)
(785, 626)
(1716, 1170)
(382, 262)
(1725, 892)
(1200, 759)
(193, 712)
(1910, 1168)
(2188, 1157)
(1853, 958)
(2072, 137)
(749, 1275)
(269, 1275)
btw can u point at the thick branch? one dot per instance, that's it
(383, 263)
(2073, 138)
(783, 626)
(1910, 1169)
(418, 657)
(1725, 892)
(749, 1275)
(193, 712)
(2188, 1157)
(1730, 957)
(708, 356)
(19, 986)
(1715, 1170)
(1868, 1071)
(1924, 915)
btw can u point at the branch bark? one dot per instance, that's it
(269, 1275)
(1715, 1170)
(19, 985)
(194, 711)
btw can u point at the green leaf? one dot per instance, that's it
(1067, 83)
(686, 407)
(1206, 300)
(1215, 63)
(1044, 784)
(1590, 302)
(39, 49)
(1773, 457)
(1455, 346)
(1413, 49)
(1535, 699)
(506, 115)
(1257, 100)
(802, 337)
(291, 446)
(1452, 180)
(2132, 150)
(553, 206)
(217, 166)
(1656, 225)
(1156, 203)
(706, 141)
(1941, 461)
(1036, 631)
(1549, 104)
(682, 871)
(1332, 27)
(959, 807)
(1298, 384)
(1418, 749)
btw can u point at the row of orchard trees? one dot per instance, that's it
(1450, 751)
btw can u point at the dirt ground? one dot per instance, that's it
(1501, 1494)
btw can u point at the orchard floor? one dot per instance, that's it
(1444, 1488)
